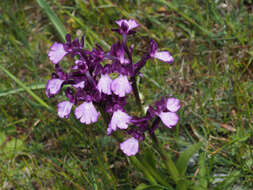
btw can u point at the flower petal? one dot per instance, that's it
(130, 147)
(87, 113)
(64, 109)
(104, 84)
(164, 56)
(121, 86)
(130, 23)
(120, 120)
(169, 119)
(173, 104)
(56, 53)
(53, 87)
(79, 85)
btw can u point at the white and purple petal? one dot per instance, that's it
(164, 56)
(64, 109)
(120, 120)
(53, 87)
(173, 104)
(130, 147)
(121, 86)
(169, 119)
(56, 52)
(104, 84)
(79, 85)
(87, 113)
(130, 23)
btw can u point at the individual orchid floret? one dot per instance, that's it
(130, 147)
(126, 26)
(162, 55)
(120, 120)
(104, 84)
(64, 109)
(87, 113)
(117, 52)
(169, 119)
(53, 87)
(56, 53)
(165, 110)
(173, 104)
(121, 86)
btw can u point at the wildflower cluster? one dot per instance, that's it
(91, 90)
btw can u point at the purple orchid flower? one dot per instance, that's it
(162, 55)
(126, 26)
(89, 85)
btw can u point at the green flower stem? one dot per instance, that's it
(137, 94)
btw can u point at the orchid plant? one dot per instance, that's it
(92, 91)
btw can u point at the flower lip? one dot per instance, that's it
(87, 113)
(53, 87)
(120, 120)
(162, 55)
(169, 119)
(64, 109)
(130, 147)
(121, 86)
(56, 53)
(104, 84)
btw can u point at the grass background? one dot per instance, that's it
(212, 43)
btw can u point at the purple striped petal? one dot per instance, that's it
(130, 147)
(164, 56)
(53, 87)
(104, 84)
(87, 113)
(169, 119)
(120, 120)
(64, 109)
(121, 86)
(130, 23)
(173, 104)
(56, 53)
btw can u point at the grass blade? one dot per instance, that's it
(28, 90)
(186, 17)
(18, 90)
(53, 18)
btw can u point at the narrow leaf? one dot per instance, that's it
(184, 157)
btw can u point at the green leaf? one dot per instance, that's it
(2, 138)
(53, 18)
(143, 186)
(184, 157)
(150, 158)
(203, 183)
(144, 170)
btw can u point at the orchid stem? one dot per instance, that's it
(137, 95)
